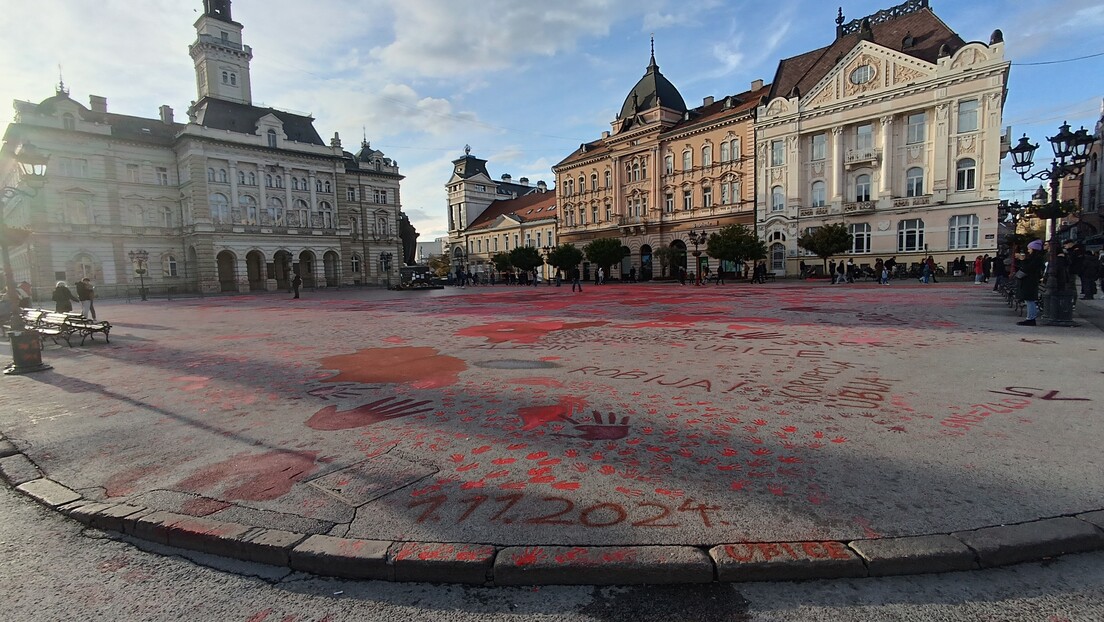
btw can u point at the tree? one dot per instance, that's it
(565, 257)
(439, 264)
(736, 243)
(826, 241)
(525, 258)
(667, 256)
(501, 262)
(604, 252)
(409, 236)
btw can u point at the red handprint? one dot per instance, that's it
(329, 419)
(609, 430)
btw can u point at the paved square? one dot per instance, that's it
(624, 415)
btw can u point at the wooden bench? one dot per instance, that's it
(65, 325)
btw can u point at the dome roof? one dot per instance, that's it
(366, 153)
(653, 89)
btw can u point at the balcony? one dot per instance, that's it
(860, 157)
(919, 201)
(629, 221)
(859, 206)
(809, 212)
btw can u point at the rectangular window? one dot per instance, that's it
(967, 116)
(609, 215)
(162, 176)
(687, 200)
(134, 173)
(860, 238)
(707, 196)
(820, 147)
(963, 232)
(777, 153)
(916, 128)
(864, 137)
(724, 194)
(669, 203)
(380, 196)
(594, 214)
(910, 236)
(350, 193)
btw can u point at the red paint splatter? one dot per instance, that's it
(521, 332)
(422, 368)
(537, 416)
(252, 477)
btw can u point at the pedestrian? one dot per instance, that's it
(720, 275)
(1027, 280)
(84, 294)
(601, 276)
(832, 270)
(930, 262)
(681, 275)
(850, 270)
(986, 267)
(296, 283)
(63, 298)
(801, 268)
(979, 270)
(925, 272)
(891, 265)
(1090, 270)
(841, 275)
(632, 274)
(575, 282)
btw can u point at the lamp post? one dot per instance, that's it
(385, 266)
(697, 239)
(26, 343)
(547, 251)
(140, 259)
(1071, 150)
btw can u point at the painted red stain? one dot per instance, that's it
(521, 332)
(537, 416)
(423, 368)
(202, 507)
(538, 382)
(252, 477)
(122, 484)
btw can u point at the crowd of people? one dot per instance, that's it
(1027, 272)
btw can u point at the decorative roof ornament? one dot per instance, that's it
(467, 150)
(61, 90)
(854, 26)
(839, 18)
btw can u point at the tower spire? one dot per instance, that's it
(61, 90)
(652, 63)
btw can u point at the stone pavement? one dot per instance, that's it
(628, 434)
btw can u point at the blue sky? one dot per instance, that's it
(522, 82)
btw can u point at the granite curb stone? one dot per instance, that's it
(343, 557)
(1011, 544)
(786, 561)
(604, 565)
(48, 492)
(86, 512)
(269, 546)
(119, 517)
(18, 469)
(208, 536)
(7, 448)
(438, 562)
(914, 555)
(154, 526)
(1096, 518)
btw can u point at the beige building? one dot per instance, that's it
(662, 171)
(482, 219)
(894, 129)
(235, 199)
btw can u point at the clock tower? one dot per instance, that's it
(221, 61)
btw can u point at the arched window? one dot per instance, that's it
(862, 188)
(668, 164)
(609, 179)
(249, 209)
(302, 214)
(220, 209)
(354, 263)
(325, 210)
(303, 185)
(820, 194)
(233, 79)
(860, 237)
(582, 183)
(272, 138)
(687, 160)
(707, 155)
(169, 265)
(778, 256)
(725, 153)
(914, 182)
(735, 149)
(252, 179)
(594, 181)
(294, 183)
(223, 177)
(279, 181)
(778, 199)
(167, 217)
(910, 235)
(643, 168)
(962, 232)
(210, 174)
(965, 174)
(226, 77)
(327, 186)
(68, 121)
(635, 171)
(276, 211)
(241, 177)
(318, 185)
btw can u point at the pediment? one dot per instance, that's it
(506, 222)
(269, 121)
(77, 190)
(888, 69)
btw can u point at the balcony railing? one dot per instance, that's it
(855, 157)
(913, 201)
(859, 206)
(625, 221)
(808, 212)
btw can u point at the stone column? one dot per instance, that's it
(313, 195)
(262, 191)
(887, 157)
(234, 189)
(837, 165)
(241, 273)
(288, 205)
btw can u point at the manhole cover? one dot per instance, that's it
(514, 364)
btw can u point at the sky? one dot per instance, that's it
(523, 82)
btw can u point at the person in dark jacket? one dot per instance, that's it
(1030, 271)
(63, 298)
(1090, 271)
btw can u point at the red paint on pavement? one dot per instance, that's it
(252, 477)
(521, 332)
(423, 368)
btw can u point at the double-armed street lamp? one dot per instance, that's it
(140, 259)
(1071, 150)
(697, 239)
(26, 343)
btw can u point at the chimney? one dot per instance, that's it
(542, 186)
(506, 177)
(524, 181)
(166, 115)
(97, 103)
(756, 85)
(606, 134)
(708, 101)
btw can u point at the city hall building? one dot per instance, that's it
(234, 198)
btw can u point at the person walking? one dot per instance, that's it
(63, 298)
(890, 265)
(979, 270)
(930, 263)
(1027, 280)
(576, 284)
(84, 295)
(296, 283)
(1090, 270)
(986, 267)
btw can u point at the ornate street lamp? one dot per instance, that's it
(25, 342)
(385, 266)
(1071, 151)
(140, 259)
(697, 239)
(547, 250)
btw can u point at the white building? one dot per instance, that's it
(893, 129)
(235, 199)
